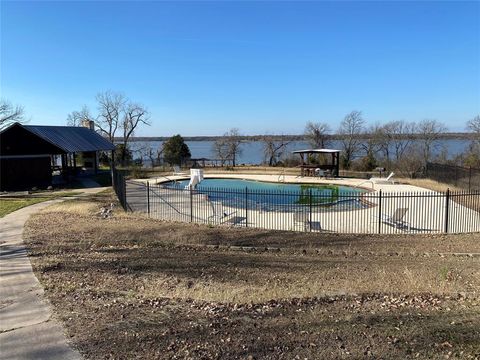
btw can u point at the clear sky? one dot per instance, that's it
(264, 67)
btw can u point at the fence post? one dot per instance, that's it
(191, 205)
(124, 186)
(469, 178)
(310, 209)
(447, 207)
(246, 206)
(148, 199)
(380, 212)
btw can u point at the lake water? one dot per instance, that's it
(252, 151)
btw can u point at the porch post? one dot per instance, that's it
(74, 164)
(95, 162)
(112, 167)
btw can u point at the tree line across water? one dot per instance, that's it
(400, 145)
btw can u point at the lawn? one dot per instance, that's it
(131, 287)
(8, 205)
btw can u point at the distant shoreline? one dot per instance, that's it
(446, 136)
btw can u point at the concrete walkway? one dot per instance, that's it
(27, 329)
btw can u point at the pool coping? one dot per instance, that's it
(291, 179)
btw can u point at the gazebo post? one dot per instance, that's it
(337, 164)
(302, 169)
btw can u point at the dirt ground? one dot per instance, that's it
(128, 287)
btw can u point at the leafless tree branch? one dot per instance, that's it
(10, 113)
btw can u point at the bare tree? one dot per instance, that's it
(317, 134)
(274, 148)
(111, 106)
(412, 162)
(10, 113)
(153, 155)
(76, 118)
(228, 147)
(221, 151)
(473, 125)
(473, 155)
(234, 142)
(133, 116)
(350, 130)
(430, 132)
(395, 137)
(371, 145)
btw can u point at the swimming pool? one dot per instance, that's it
(240, 192)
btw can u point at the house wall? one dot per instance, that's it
(24, 173)
(24, 160)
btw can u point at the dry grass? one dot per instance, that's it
(428, 184)
(178, 260)
(135, 287)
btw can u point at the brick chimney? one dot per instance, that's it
(88, 124)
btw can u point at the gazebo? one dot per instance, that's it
(308, 168)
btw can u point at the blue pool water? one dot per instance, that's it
(237, 192)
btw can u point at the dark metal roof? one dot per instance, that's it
(71, 138)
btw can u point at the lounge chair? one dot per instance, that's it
(303, 219)
(178, 171)
(220, 215)
(397, 219)
(387, 180)
(235, 221)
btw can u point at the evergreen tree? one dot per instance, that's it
(175, 151)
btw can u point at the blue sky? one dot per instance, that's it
(264, 67)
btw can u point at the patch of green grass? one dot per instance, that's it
(8, 205)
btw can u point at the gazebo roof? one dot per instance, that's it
(316, 151)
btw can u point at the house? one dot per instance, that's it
(29, 153)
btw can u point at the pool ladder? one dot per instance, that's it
(363, 182)
(166, 177)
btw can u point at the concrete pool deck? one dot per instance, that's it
(426, 209)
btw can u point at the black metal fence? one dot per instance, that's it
(307, 209)
(120, 187)
(462, 177)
